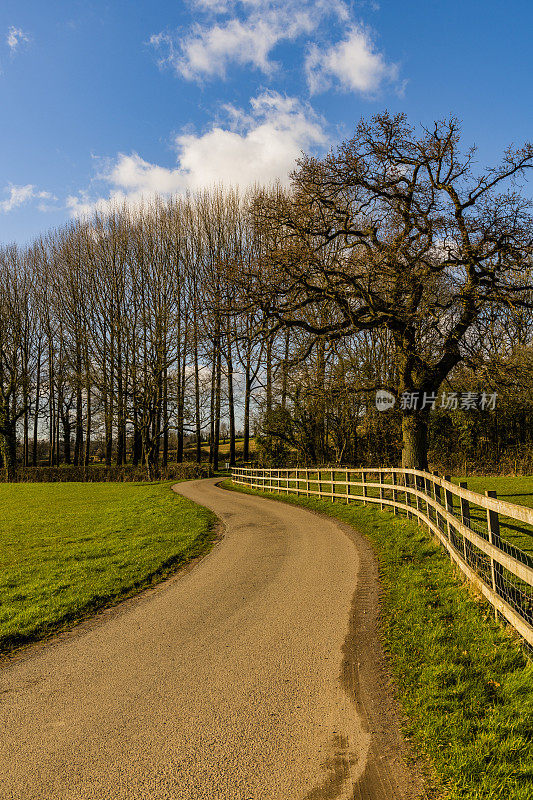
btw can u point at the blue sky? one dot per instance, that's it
(108, 100)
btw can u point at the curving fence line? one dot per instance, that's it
(480, 532)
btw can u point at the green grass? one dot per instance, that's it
(67, 549)
(463, 680)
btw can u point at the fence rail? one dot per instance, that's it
(469, 525)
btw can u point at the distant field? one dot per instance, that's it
(69, 548)
(518, 490)
(223, 448)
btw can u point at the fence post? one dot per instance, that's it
(307, 481)
(407, 481)
(493, 525)
(380, 479)
(394, 493)
(438, 499)
(449, 505)
(332, 485)
(434, 494)
(347, 485)
(319, 485)
(426, 483)
(465, 517)
(428, 493)
(365, 489)
(417, 482)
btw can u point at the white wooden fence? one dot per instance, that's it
(466, 523)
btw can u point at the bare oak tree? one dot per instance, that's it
(395, 230)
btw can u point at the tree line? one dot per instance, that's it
(114, 331)
(388, 264)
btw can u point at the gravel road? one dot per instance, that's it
(255, 675)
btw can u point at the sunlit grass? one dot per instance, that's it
(69, 548)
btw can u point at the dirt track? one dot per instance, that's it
(254, 676)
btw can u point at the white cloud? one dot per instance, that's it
(354, 62)
(246, 38)
(19, 195)
(14, 37)
(258, 147)
(262, 147)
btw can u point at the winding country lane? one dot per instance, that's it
(234, 680)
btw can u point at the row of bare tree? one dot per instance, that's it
(387, 264)
(115, 331)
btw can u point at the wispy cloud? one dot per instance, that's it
(15, 37)
(20, 195)
(354, 64)
(247, 37)
(258, 146)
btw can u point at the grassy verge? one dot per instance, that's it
(464, 683)
(67, 549)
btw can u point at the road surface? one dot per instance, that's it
(249, 677)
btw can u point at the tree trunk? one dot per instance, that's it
(51, 406)
(66, 435)
(26, 434)
(181, 401)
(57, 436)
(8, 445)
(269, 375)
(415, 440)
(111, 408)
(197, 400)
(8, 439)
(121, 412)
(87, 456)
(78, 425)
(217, 409)
(247, 393)
(36, 412)
(320, 430)
(231, 408)
(136, 452)
(212, 406)
(165, 418)
(285, 371)
(107, 394)
(156, 428)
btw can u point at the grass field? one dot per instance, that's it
(67, 549)
(464, 682)
(517, 490)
